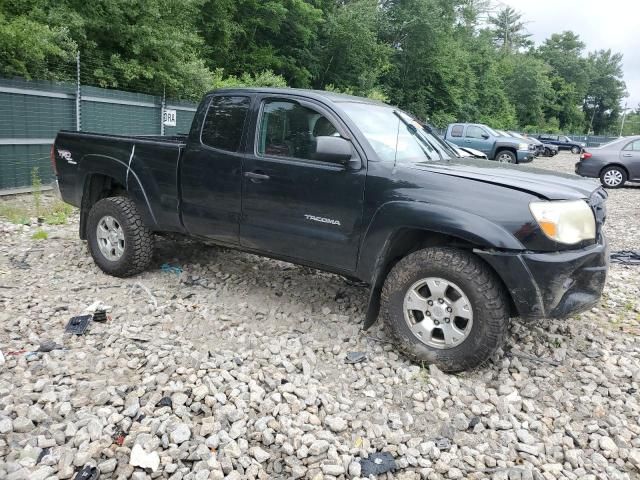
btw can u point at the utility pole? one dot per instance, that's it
(624, 114)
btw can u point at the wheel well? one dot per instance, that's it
(614, 165)
(508, 149)
(97, 187)
(409, 240)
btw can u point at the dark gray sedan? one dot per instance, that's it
(614, 163)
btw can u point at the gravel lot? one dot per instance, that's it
(235, 368)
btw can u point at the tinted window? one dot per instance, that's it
(475, 132)
(635, 146)
(224, 122)
(288, 129)
(456, 130)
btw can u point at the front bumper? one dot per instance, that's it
(553, 285)
(525, 156)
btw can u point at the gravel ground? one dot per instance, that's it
(235, 368)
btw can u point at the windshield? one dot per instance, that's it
(502, 133)
(396, 136)
(517, 135)
(493, 132)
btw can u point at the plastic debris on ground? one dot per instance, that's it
(87, 473)
(100, 316)
(443, 443)
(355, 357)
(78, 325)
(49, 346)
(168, 268)
(625, 257)
(377, 464)
(165, 402)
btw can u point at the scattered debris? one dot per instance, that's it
(138, 285)
(140, 458)
(625, 257)
(168, 268)
(48, 346)
(165, 402)
(443, 443)
(377, 464)
(78, 325)
(100, 316)
(97, 306)
(355, 357)
(87, 473)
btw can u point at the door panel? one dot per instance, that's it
(211, 172)
(294, 206)
(473, 138)
(630, 158)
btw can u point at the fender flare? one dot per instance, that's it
(394, 217)
(120, 171)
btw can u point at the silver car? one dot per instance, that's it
(614, 163)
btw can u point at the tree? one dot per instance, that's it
(509, 31)
(605, 90)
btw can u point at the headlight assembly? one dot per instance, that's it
(523, 146)
(565, 221)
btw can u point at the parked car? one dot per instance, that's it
(544, 149)
(614, 163)
(450, 248)
(533, 145)
(466, 152)
(563, 142)
(504, 149)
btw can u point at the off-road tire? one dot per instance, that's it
(138, 249)
(623, 176)
(484, 289)
(512, 156)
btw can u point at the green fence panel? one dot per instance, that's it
(18, 161)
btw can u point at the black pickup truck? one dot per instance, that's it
(450, 248)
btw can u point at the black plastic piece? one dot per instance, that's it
(100, 316)
(87, 473)
(377, 464)
(78, 325)
(165, 402)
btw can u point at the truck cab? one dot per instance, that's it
(503, 148)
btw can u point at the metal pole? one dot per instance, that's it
(624, 114)
(162, 113)
(78, 125)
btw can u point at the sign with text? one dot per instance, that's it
(169, 118)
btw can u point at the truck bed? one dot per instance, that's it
(80, 156)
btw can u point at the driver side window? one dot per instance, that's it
(290, 130)
(475, 132)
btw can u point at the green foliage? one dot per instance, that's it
(14, 214)
(40, 235)
(439, 59)
(58, 214)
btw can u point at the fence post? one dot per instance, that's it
(162, 105)
(78, 98)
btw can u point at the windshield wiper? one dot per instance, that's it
(414, 131)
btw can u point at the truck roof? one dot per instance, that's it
(301, 92)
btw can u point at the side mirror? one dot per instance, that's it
(333, 149)
(485, 136)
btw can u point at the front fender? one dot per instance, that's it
(394, 217)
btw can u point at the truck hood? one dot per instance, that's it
(542, 183)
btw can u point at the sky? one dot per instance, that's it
(613, 24)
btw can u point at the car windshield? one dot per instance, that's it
(517, 135)
(502, 133)
(396, 136)
(493, 132)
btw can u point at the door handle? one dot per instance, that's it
(257, 176)
(627, 155)
(467, 141)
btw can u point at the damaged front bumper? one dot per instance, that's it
(553, 285)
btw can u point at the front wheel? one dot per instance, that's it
(505, 156)
(445, 306)
(575, 150)
(118, 241)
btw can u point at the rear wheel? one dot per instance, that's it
(575, 149)
(118, 241)
(445, 306)
(506, 156)
(613, 177)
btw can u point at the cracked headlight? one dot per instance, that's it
(565, 221)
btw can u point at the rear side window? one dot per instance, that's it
(224, 122)
(635, 146)
(456, 130)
